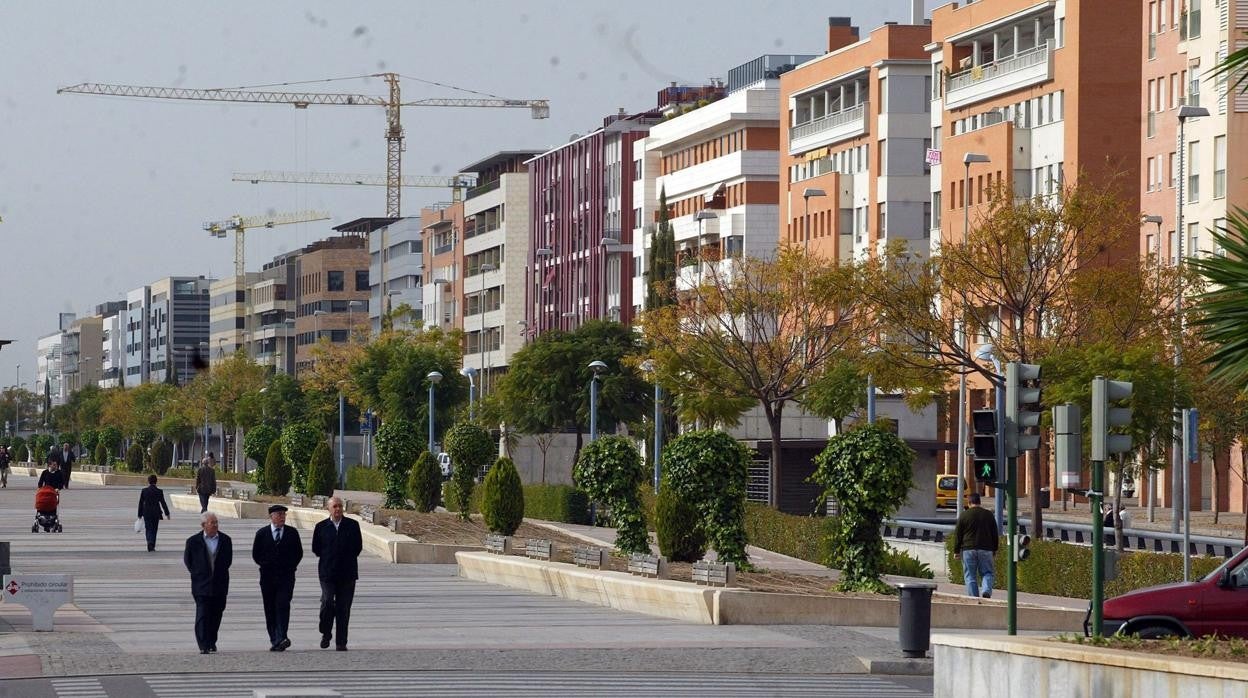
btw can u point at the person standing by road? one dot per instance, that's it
(208, 557)
(151, 502)
(337, 542)
(975, 540)
(277, 550)
(205, 481)
(5, 459)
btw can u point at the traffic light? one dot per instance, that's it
(1021, 549)
(984, 445)
(1020, 398)
(1105, 418)
(1068, 426)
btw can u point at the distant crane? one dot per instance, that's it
(456, 184)
(240, 224)
(539, 109)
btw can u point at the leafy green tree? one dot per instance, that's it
(839, 390)
(471, 449)
(502, 498)
(110, 436)
(609, 469)
(89, 438)
(397, 446)
(134, 458)
(321, 476)
(298, 441)
(709, 470)
(276, 471)
(868, 470)
(256, 445)
(424, 484)
(386, 370)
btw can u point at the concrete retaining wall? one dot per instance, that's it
(1013, 667)
(378, 540)
(932, 554)
(717, 606)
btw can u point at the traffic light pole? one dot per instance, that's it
(1011, 589)
(1095, 496)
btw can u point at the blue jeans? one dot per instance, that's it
(977, 562)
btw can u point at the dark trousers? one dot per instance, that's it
(203, 502)
(150, 524)
(336, 598)
(208, 610)
(276, 594)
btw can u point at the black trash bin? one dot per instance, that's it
(1044, 498)
(914, 627)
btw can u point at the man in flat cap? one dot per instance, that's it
(277, 550)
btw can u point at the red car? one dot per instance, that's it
(1218, 603)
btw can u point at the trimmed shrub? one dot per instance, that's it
(110, 436)
(609, 469)
(365, 479)
(802, 537)
(20, 454)
(321, 476)
(502, 498)
(276, 471)
(556, 503)
(397, 447)
(89, 438)
(134, 458)
(256, 443)
(471, 449)
(450, 498)
(709, 470)
(678, 527)
(298, 441)
(162, 455)
(424, 483)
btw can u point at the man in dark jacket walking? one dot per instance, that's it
(207, 557)
(337, 542)
(277, 550)
(205, 481)
(975, 541)
(64, 457)
(151, 502)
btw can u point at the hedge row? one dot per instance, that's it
(366, 479)
(802, 537)
(1064, 569)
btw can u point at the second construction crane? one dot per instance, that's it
(393, 104)
(240, 224)
(456, 184)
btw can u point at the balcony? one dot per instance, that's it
(828, 129)
(483, 189)
(985, 81)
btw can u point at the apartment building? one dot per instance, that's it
(580, 217)
(1038, 93)
(854, 139)
(81, 354)
(395, 266)
(332, 293)
(255, 313)
(442, 290)
(177, 319)
(112, 343)
(495, 248)
(228, 315)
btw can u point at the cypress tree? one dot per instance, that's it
(661, 289)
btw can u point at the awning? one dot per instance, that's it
(713, 192)
(817, 154)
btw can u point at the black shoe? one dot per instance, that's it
(325, 641)
(213, 649)
(275, 648)
(284, 643)
(341, 648)
(203, 651)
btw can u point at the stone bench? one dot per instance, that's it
(538, 549)
(589, 556)
(647, 565)
(498, 544)
(714, 573)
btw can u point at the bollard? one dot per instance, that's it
(4, 558)
(914, 627)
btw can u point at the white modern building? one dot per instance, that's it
(395, 265)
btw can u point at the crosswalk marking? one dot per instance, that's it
(74, 687)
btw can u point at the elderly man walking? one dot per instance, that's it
(337, 542)
(205, 481)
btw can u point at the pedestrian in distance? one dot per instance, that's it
(64, 457)
(337, 542)
(277, 550)
(5, 459)
(206, 481)
(151, 502)
(975, 540)
(207, 557)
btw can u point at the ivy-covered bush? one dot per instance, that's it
(299, 440)
(869, 471)
(424, 483)
(256, 442)
(276, 471)
(397, 446)
(609, 469)
(89, 438)
(134, 458)
(162, 456)
(321, 475)
(678, 527)
(470, 448)
(502, 498)
(110, 436)
(709, 469)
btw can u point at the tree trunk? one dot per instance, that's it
(1033, 475)
(774, 414)
(1214, 488)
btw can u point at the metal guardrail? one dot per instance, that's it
(831, 121)
(1005, 66)
(1136, 539)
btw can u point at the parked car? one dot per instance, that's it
(1218, 603)
(947, 491)
(444, 462)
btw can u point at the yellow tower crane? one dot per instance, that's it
(240, 224)
(456, 184)
(393, 104)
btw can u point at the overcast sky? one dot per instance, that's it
(99, 195)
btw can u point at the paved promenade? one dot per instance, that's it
(130, 631)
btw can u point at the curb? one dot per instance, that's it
(897, 667)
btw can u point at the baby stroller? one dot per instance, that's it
(46, 501)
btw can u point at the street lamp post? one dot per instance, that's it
(342, 426)
(597, 367)
(650, 367)
(1152, 472)
(17, 402)
(1180, 479)
(967, 159)
(807, 194)
(483, 344)
(434, 378)
(469, 373)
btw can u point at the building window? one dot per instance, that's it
(1219, 167)
(1170, 170)
(334, 280)
(361, 279)
(927, 219)
(1193, 240)
(936, 210)
(1193, 171)
(1219, 226)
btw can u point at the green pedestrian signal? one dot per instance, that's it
(984, 445)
